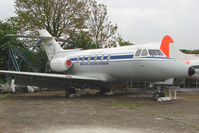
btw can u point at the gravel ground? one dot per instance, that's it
(50, 112)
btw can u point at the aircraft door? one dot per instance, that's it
(142, 60)
(138, 63)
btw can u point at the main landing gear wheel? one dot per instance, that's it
(67, 92)
(103, 91)
(162, 94)
(157, 95)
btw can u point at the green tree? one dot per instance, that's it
(81, 40)
(66, 19)
(59, 17)
(7, 42)
(122, 42)
(101, 30)
(5, 29)
(190, 51)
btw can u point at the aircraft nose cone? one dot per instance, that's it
(181, 70)
(191, 71)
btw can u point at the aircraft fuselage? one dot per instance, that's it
(119, 63)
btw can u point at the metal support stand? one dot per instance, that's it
(137, 93)
(16, 58)
(170, 93)
(175, 94)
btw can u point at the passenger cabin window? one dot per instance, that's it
(98, 57)
(144, 52)
(86, 58)
(155, 52)
(138, 52)
(92, 58)
(80, 59)
(105, 57)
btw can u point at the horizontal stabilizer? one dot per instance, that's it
(39, 37)
(29, 36)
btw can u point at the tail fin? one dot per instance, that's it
(173, 52)
(165, 45)
(50, 45)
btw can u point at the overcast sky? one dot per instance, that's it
(147, 21)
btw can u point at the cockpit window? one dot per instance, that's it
(138, 52)
(155, 52)
(144, 52)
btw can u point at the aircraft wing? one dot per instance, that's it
(51, 75)
(39, 37)
(51, 80)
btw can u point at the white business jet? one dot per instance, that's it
(100, 68)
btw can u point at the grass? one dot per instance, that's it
(28, 117)
(181, 122)
(3, 97)
(174, 113)
(94, 115)
(2, 117)
(36, 104)
(171, 119)
(131, 106)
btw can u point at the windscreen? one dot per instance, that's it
(155, 52)
(138, 52)
(144, 52)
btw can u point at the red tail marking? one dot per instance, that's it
(165, 44)
(187, 62)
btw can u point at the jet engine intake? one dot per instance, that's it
(60, 64)
(191, 71)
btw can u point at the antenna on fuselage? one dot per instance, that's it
(117, 44)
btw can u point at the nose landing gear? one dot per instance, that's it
(157, 95)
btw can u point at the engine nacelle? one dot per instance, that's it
(195, 66)
(60, 64)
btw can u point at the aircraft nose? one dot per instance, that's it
(181, 70)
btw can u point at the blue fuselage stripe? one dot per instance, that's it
(115, 57)
(156, 57)
(73, 59)
(122, 57)
(105, 57)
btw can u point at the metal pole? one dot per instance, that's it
(184, 82)
(175, 94)
(170, 93)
